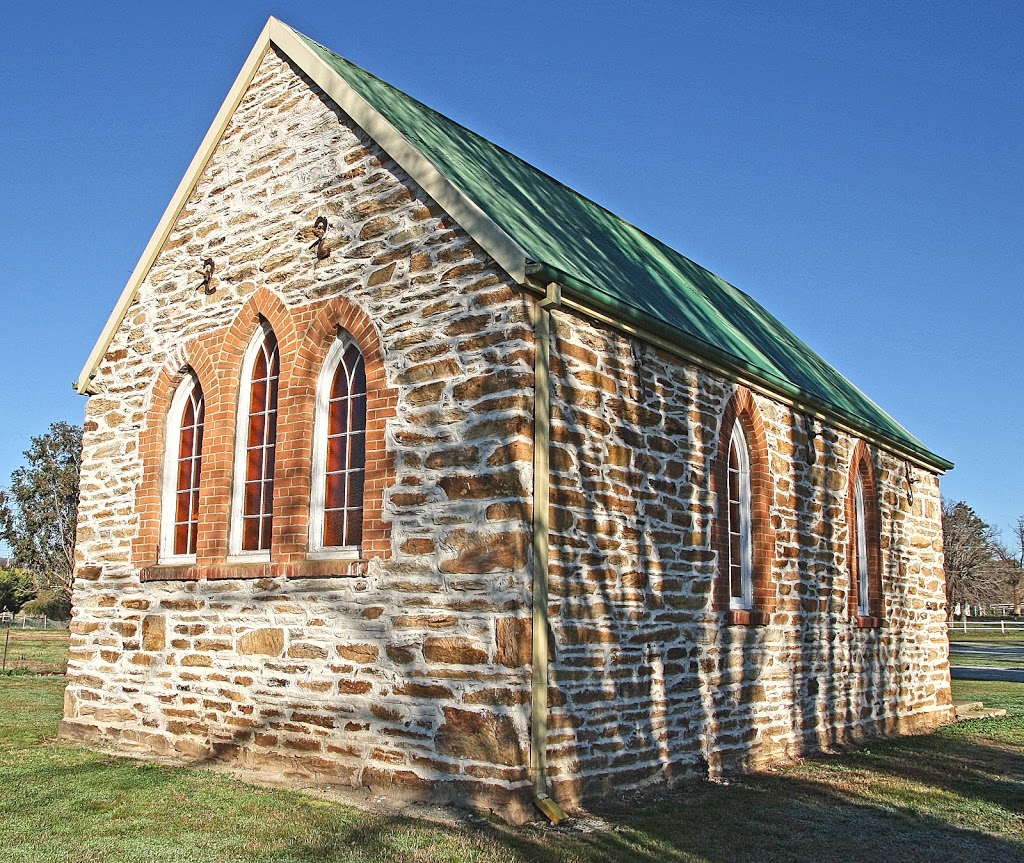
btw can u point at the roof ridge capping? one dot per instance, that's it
(538, 229)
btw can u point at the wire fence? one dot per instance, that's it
(24, 621)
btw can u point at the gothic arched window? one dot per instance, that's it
(339, 451)
(252, 505)
(183, 457)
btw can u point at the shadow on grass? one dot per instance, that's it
(914, 804)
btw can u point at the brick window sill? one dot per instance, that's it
(336, 568)
(862, 621)
(746, 617)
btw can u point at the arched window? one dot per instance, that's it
(339, 452)
(741, 530)
(252, 505)
(863, 548)
(183, 457)
(741, 561)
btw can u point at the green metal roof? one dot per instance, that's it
(619, 267)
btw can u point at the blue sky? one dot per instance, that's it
(857, 170)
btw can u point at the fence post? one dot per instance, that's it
(1002, 626)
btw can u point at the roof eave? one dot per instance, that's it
(585, 299)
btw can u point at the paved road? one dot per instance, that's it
(968, 672)
(966, 650)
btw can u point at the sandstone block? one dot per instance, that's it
(454, 650)
(514, 636)
(361, 653)
(480, 736)
(265, 642)
(154, 632)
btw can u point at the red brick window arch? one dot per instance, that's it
(339, 452)
(183, 457)
(252, 500)
(741, 531)
(864, 598)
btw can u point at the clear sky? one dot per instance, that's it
(858, 170)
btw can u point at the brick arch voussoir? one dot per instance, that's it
(742, 408)
(205, 370)
(319, 336)
(264, 303)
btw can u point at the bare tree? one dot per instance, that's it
(970, 558)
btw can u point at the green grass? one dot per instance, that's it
(956, 795)
(43, 651)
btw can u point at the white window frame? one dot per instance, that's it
(746, 601)
(169, 480)
(863, 574)
(236, 554)
(321, 422)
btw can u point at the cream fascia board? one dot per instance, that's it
(505, 251)
(181, 195)
(508, 254)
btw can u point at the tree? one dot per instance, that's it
(39, 512)
(1015, 572)
(970, 557)
(16, 588)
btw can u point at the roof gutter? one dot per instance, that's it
(585, 298)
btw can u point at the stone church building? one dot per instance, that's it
(407, 467)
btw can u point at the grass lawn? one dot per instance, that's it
(957, 795)
(42, 651)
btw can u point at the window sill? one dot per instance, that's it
(746, 617)
(248, 557)
(349, 552)
(177, 561)
(864, 621)
(349, 567)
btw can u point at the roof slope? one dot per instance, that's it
(616, 264)
(533, 225)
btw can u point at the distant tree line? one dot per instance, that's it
(982, 569)
(38, 517)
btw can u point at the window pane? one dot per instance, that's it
(253, 498)
(334, 527)
(355, 527)
(251, 534)
(181, 536)
(359, 413)
(257, 429)
(357, 456)
(335, 496)
(335, 454)
(355, 490)
(338, 417)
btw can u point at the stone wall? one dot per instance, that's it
(408, 670)
(403, 670)
(648, 681)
